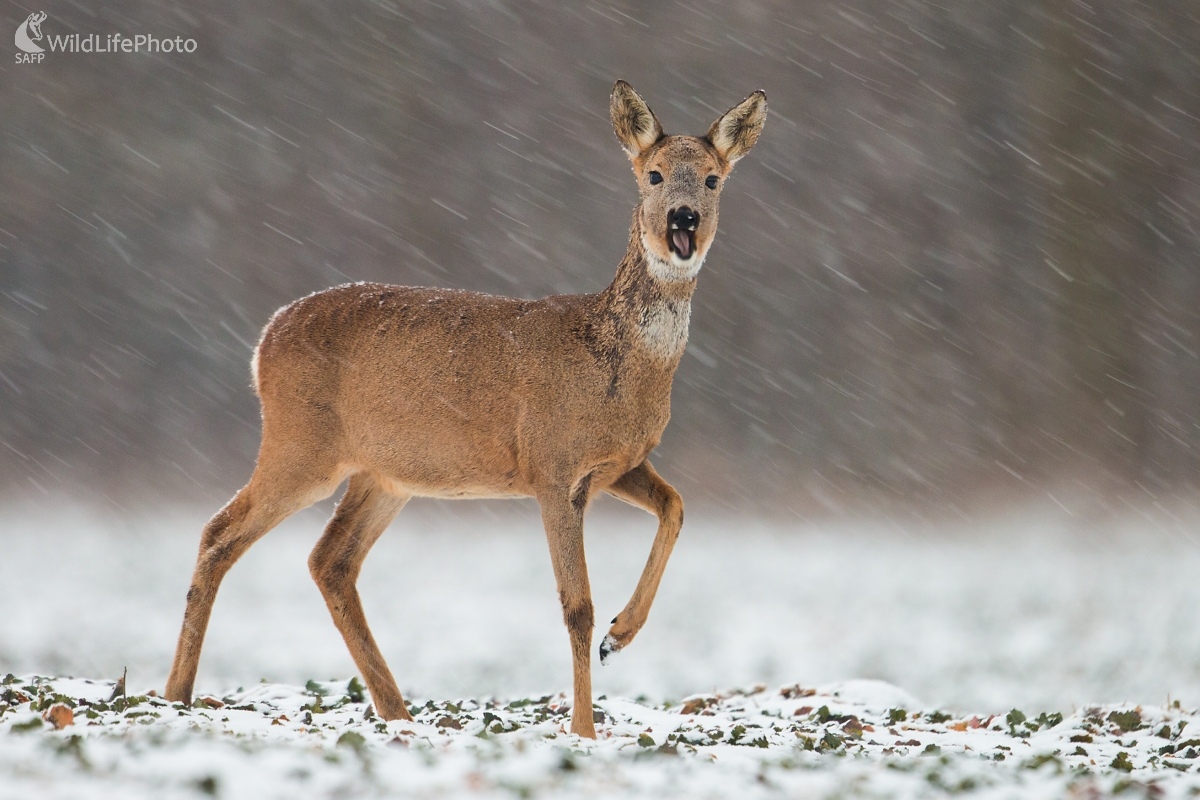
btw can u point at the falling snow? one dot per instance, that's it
(937, 424)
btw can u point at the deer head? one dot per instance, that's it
(680, 177)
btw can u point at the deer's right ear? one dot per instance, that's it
(635, 124)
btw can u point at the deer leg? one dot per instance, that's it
(362, 515)
(262, 504)
(643, 487)
(562, 514)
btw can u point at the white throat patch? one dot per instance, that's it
(663, 327)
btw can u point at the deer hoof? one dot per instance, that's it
(607, 648)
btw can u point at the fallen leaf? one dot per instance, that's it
(60, 716)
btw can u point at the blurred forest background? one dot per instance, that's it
(961, 267)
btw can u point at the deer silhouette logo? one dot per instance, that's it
(29, 33)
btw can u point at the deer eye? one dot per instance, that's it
(655, 177)
(711, 181)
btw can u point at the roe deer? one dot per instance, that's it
(438, 393)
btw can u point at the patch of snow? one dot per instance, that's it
(873, 695)
(280, 741)
(1026, 615)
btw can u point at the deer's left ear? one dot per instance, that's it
(738, 128)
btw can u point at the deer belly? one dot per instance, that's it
(446, 491)
(443, 459)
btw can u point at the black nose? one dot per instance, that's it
(683, 218)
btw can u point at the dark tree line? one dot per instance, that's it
(962, 264)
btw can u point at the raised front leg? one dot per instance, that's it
(362, 515)
(643, 487)
(562, 514)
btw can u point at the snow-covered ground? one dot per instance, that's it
(1040, 613)
(79, 739)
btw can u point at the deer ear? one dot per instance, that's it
(738, 128)
(635, 124)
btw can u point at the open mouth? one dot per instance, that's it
(682, 242)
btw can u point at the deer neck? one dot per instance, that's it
(646, 309)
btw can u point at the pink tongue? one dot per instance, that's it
(683, 243)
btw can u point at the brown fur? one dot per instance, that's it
(441, 393)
